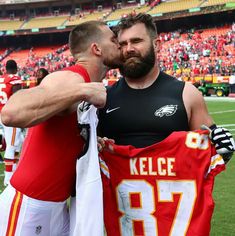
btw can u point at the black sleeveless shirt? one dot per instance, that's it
(141, 117)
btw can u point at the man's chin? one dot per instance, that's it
(114, 65)
(132, 60)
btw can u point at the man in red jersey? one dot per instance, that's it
(35, 200)
(10, 83)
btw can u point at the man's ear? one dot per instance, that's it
(96, 49)
(156, 43)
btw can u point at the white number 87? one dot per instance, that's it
(144, 191)
(144, 212)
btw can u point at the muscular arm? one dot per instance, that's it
(196, 108)
(58, 92)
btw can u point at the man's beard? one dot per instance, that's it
(112, 64)
(136, 66)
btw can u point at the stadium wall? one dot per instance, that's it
(50, 36)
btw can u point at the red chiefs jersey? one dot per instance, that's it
(164, 189)
(47, 167)
(7, 81)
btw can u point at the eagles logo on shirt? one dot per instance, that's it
(167, 110)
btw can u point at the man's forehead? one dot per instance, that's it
(131, 37)
(136, 31)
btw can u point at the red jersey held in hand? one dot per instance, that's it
(163, 189)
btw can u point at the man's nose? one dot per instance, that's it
(129, 47)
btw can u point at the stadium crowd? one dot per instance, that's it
(184, 55)
(52, 61)
(198, 53)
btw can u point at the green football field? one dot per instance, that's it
(223, 222)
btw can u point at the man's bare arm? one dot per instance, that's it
(57, 92)
(196, 108)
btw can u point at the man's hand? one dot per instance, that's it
(101, 142)
(95, 94)
(223, 141)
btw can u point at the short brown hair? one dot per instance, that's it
(130, 20)
(83, 35)
(11, 66)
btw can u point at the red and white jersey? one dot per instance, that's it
(7, 81)
(164, 189)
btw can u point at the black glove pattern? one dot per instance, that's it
(223, 140)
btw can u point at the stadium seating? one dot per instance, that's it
(45, 22)
(180, 5)
(117, 14)
(10, 24)
(174, 45)
(74, 20)
(42, 51)
(139, 9)
(20, 57)
(174, 6)
(216, 2)
(107, 14)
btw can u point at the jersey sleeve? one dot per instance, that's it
(217, 165)
(104, 168)
(15, 80)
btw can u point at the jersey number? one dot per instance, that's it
(3, 95)
(142, 215)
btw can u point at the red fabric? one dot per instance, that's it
(80, 70)
(8, 165)
(7, 81)
(173, 168)
(47, 166)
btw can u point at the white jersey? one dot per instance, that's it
(86, 217)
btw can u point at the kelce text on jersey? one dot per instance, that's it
(162, 166)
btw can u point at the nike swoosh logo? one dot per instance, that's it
(110, 110)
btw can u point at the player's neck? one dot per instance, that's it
(145, 81)
(95, 69)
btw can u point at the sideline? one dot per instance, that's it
(219, 112)
(220, 99)
(227, 125)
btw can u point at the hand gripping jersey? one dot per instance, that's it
(87, 208)
(164, 189)
(7, 81)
